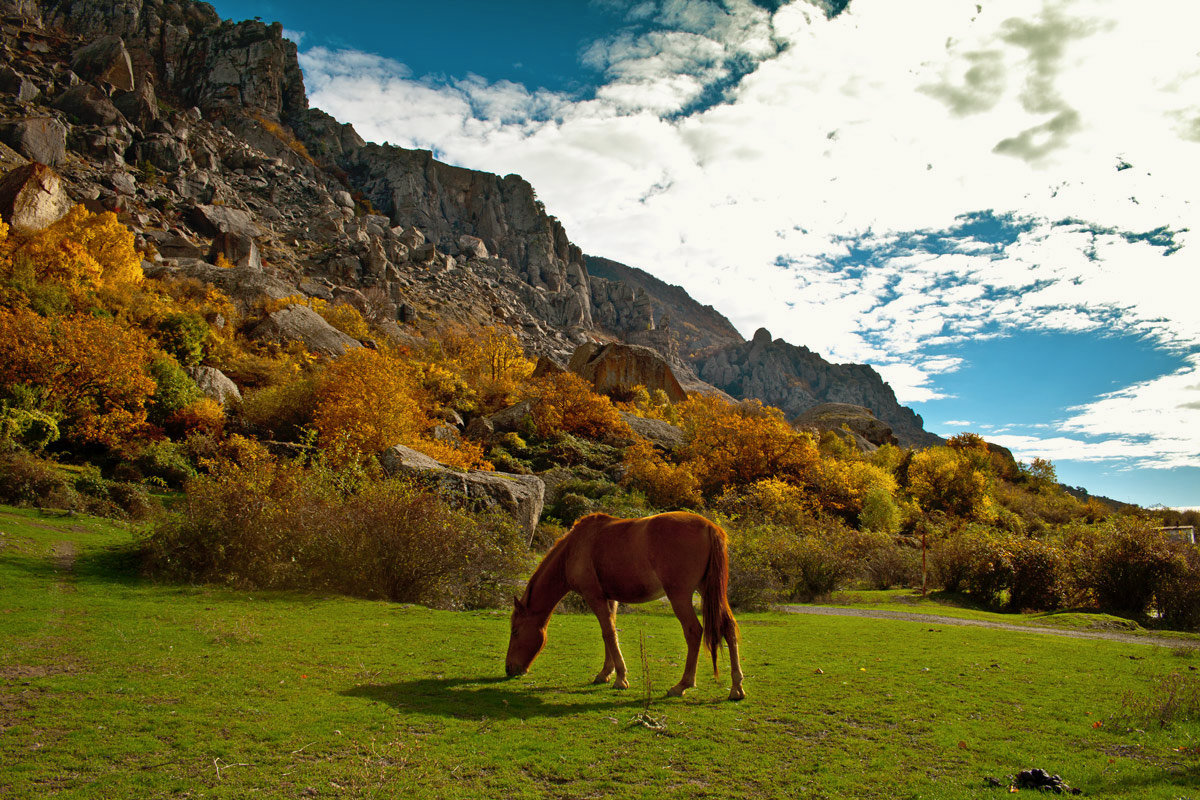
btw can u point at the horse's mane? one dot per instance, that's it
(554, 556)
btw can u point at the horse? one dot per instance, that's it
(608, 561)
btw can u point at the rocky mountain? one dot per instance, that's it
(197, 132)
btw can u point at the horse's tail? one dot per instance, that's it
(718, 618)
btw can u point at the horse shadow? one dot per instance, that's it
(483, 697)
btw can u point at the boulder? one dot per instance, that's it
(211, 220)
(661, 434)
(867, 432)
(513, 418)
(238, 249)
(521, 496)
(139, 106)
(17, 86)
(32, 197)
(42, 139)
(90, 106)
(162, 151)
(472, 247)
(480, 428)
(215, 384)
(546, 367)
(617, 368)
(297, 323)
(105, 61)
(10, 159)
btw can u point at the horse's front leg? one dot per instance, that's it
(606, 613)
(607, 670)
(692, 633)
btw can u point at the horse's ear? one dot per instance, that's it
(517, 605)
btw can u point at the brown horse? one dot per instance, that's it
(609, 561)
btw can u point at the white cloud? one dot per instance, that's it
(891, 117)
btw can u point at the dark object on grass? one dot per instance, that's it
(1043, 781)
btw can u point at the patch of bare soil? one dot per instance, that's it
(935, 619)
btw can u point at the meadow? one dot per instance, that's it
(115, 686)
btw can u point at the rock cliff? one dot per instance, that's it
(197, 132)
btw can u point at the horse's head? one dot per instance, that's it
(526, 640)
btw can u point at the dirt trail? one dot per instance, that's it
(934, 619)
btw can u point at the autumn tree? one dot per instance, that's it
(736, 445)
(368, 400)
(566, 402)
(82, 251)
(91, 372)
(948, 480)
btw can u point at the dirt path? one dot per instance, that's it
(934, 619)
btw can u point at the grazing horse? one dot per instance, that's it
(609, 561)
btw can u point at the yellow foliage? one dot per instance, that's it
(82, 251)
(201, 416)
(343, 316)
(491, 362)
(565, 402)
(91, 371)
(665, 485)
(651, 405)
(944, 479)
(368, 400)
(735, 445)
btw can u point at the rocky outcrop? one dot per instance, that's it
(694, 328)
(42, 139)
(32, 197)
(796, 379)
(297, 323)
(868, 432)
(662, 435)
(616, 369)
(521, 496)
(215, 384)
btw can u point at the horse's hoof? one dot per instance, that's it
(600, 679)
(676, 691)
(620, 683)
(737, 694)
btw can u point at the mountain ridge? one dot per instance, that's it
(295, 192)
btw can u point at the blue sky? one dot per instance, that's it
(993, 204)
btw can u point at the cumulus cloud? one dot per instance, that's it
(824, 176)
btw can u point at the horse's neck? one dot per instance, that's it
(548, 584)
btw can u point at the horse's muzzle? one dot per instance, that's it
(512, 671)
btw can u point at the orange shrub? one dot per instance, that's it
(82, 251)
(91, 371)
(665, 485)
(565, 402)
(735, 445)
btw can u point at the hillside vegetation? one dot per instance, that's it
(100, 408)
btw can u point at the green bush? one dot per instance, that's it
(183, 335)
(1039, 576)
(1125, 563)
(164, 460)
(174, 389)
(1178, 597)
(28, 480)
(770, 563)
(257, 522)
(887, 563)
(30, 428)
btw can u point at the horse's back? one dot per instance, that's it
(638, 559)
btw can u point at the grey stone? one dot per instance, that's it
(521, 496)
(105, 61)
(90, 106)
(238, 249)
(297, 323)
(659, 433)
(215, 384)
(513, 418)
(42, 139)
(32, 197)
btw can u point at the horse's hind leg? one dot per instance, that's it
(606, 613)
(692, 632)
(736, 692)
(609, 665)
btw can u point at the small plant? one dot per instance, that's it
(1172, 698)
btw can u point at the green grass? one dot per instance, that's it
(111, 686)
(962, 607)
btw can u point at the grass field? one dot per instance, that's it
(114, 687)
